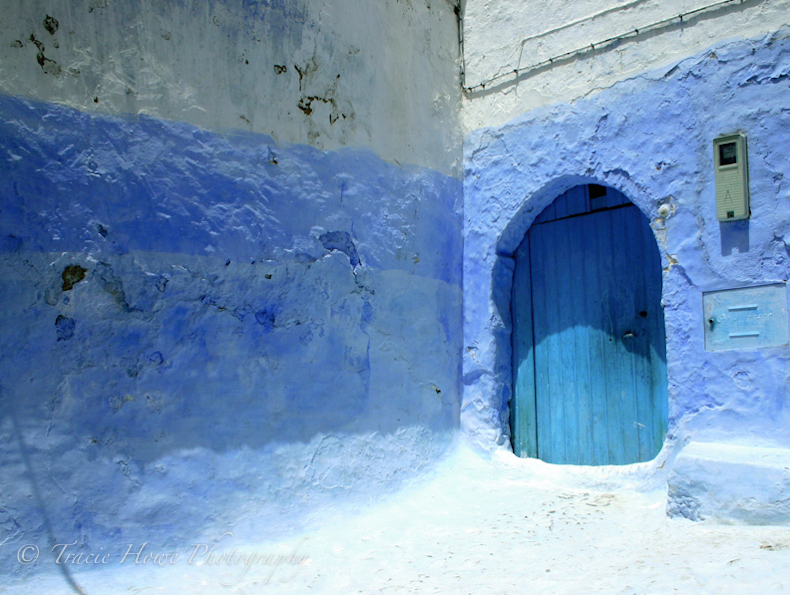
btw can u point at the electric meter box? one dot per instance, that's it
(732, 177)
(746, 318)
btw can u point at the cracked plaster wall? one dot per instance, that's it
(198, 329)
(345, 73)
(649, 136)
(209, 320)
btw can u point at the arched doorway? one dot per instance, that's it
(589, 347)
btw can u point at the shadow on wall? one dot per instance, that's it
(188, 317)
(734, 237)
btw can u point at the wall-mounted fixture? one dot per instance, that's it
(746, 318)
(732, 177)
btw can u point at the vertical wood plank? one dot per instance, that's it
(565, 390)
(522, 411)
(584, 301)
(541, 318)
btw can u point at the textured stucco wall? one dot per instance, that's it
(382, 75)
(209, 319)
(193, 323)
(494, 32)
(651, 138)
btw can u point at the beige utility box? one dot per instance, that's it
(732, 177)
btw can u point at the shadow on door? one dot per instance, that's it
(589, 346)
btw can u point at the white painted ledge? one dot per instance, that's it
(731, 484)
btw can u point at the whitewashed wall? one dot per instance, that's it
(494, 31)
(378, 74)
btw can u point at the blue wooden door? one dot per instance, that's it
(589, 349)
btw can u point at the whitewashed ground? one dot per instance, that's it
(478, 524)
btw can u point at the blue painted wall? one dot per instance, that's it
(203, 331)
(651, 138)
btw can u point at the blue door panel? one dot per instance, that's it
(574, 202)
(522, 414)
(589, 344)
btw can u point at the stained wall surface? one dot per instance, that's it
(651, 137)
(380, 75)
(230, 244)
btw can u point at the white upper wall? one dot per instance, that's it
(341, 73)
(501, 36)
